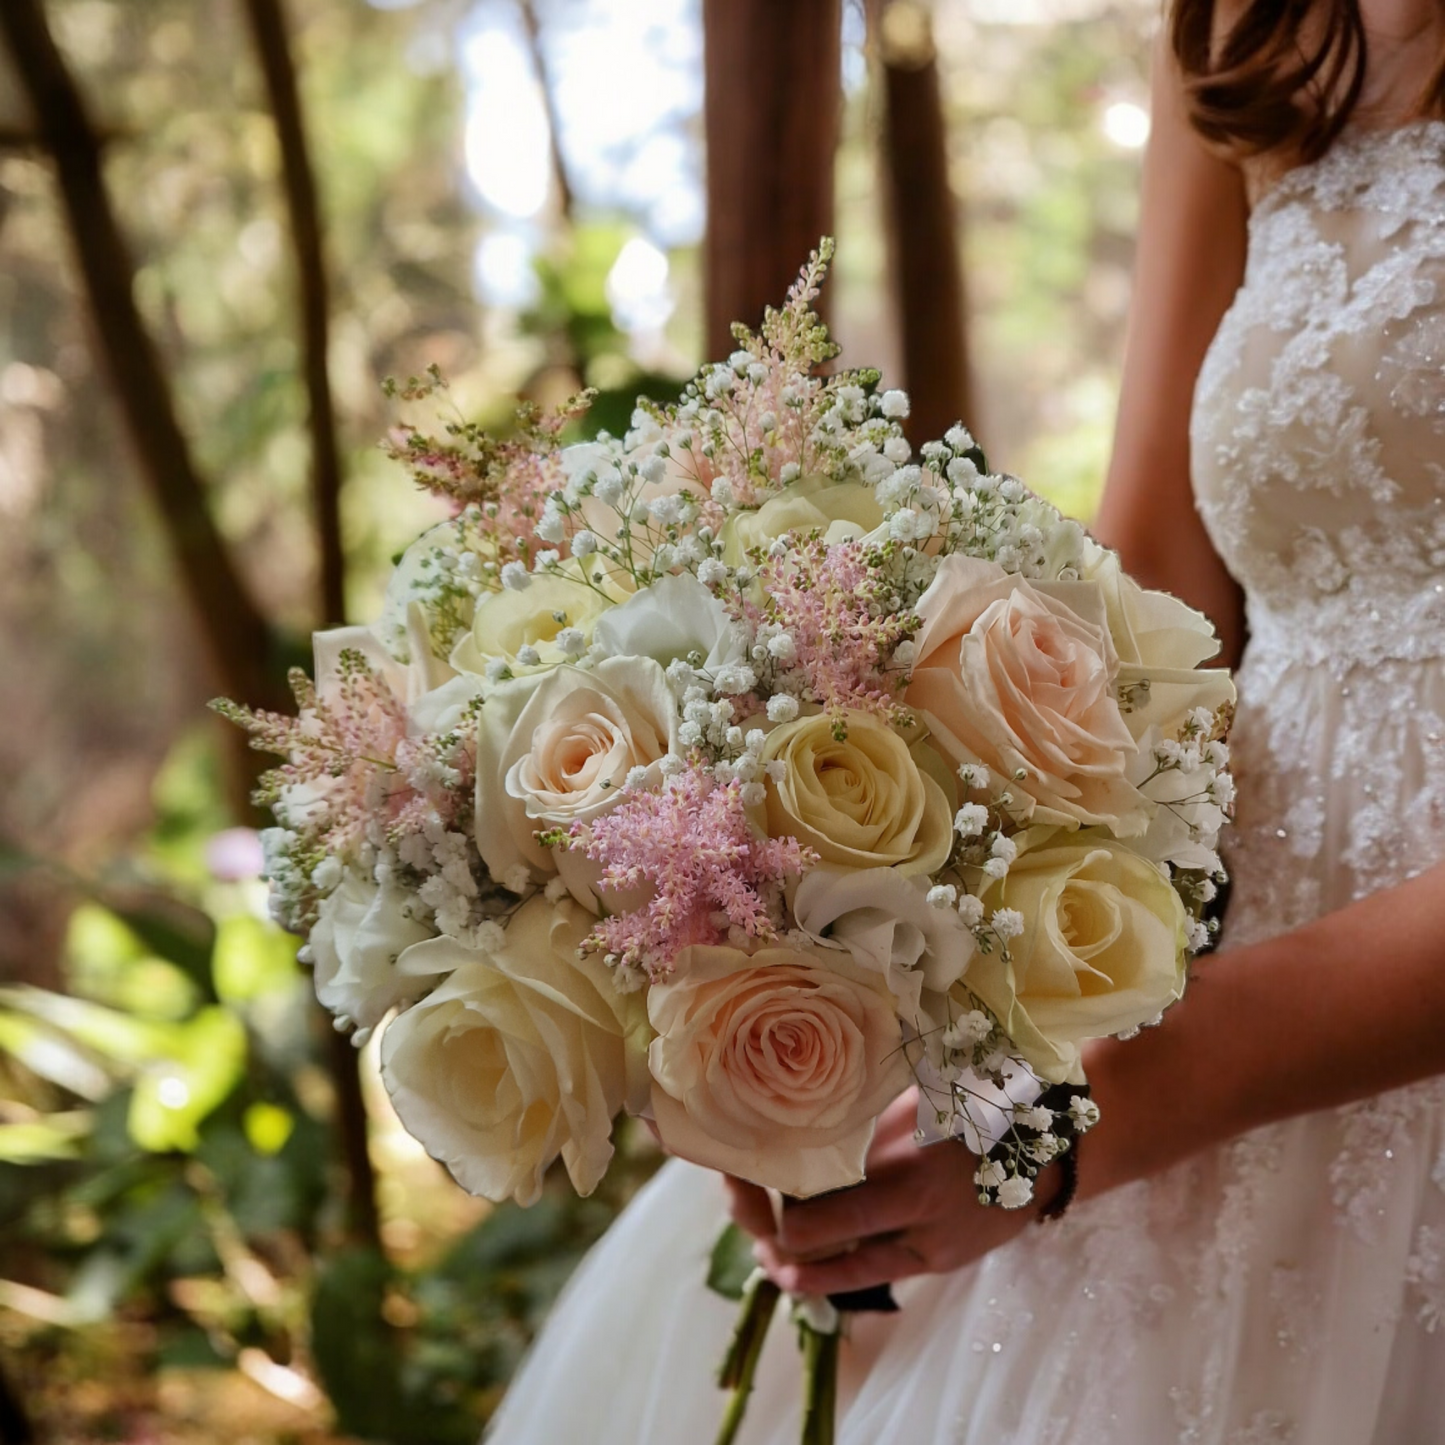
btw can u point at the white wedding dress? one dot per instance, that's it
(1291, 1285)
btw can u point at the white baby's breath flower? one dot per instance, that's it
(996, 868)
(894, 405)
(1004, 848)
(1007, 923)
(515, 577)
(782, 707)
(790, 473)
(735, 678)
(989, 1174)
(712, 573)
(528, 655)
(1015, 1192)
(897, 450)
(783, 648)
(960, 438)
(970, 909)
(584, 543)
(970, 820)
(572, 641)
(942, 895)
(1031, 1116)
(517, 879)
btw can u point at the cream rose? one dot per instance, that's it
(1102, 950)
(868, 801)
(1020, 676)
(507, 621)
(841, 511)
(524, 1053)
(558, 751)
(361, 934)
(1160, 642)
(773, 1066)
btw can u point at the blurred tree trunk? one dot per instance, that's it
(561, 180)
(273, 51)
(772, 107)
(240, 643)
(243, 651)
(15, 1427)
(921, 221)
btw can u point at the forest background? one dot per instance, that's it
(222, 224)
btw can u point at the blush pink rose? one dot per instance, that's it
(773, 1066)
(1020, 676)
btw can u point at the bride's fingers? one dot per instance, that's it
(750, 1207)
(885, 1202)
(875, 1261)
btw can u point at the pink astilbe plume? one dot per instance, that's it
(829, 600)
(709, 870)
(351, 770)
(502, 482)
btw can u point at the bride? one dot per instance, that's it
(1256, 1253)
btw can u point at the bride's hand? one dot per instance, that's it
(916, 1213)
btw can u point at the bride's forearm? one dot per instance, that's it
(1346, 1007)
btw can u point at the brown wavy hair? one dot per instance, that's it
(1259, 87)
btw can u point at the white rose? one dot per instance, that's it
(1102, 950)
(673, 617)
(1160, 641)
(526, 1052)
(773, 1066)
(558, 751)
(361, 933)
(883, 919)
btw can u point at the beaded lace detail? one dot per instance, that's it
(1319, 416)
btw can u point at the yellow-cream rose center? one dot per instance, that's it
(1090, 922)
(860, 801)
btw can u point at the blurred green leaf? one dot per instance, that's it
(731, 1263)
(176, 932)
(253, 958)
(199, 1069)
(55, 1136)
(268, 1127)
(47, 1052)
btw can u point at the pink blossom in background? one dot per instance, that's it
(234, 855)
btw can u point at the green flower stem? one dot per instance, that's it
(740, 1363)
(820, 1384)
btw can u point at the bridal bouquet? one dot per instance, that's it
(739, 773)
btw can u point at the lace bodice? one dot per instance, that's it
(1319, 420)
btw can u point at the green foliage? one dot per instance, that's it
(731, 1263)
